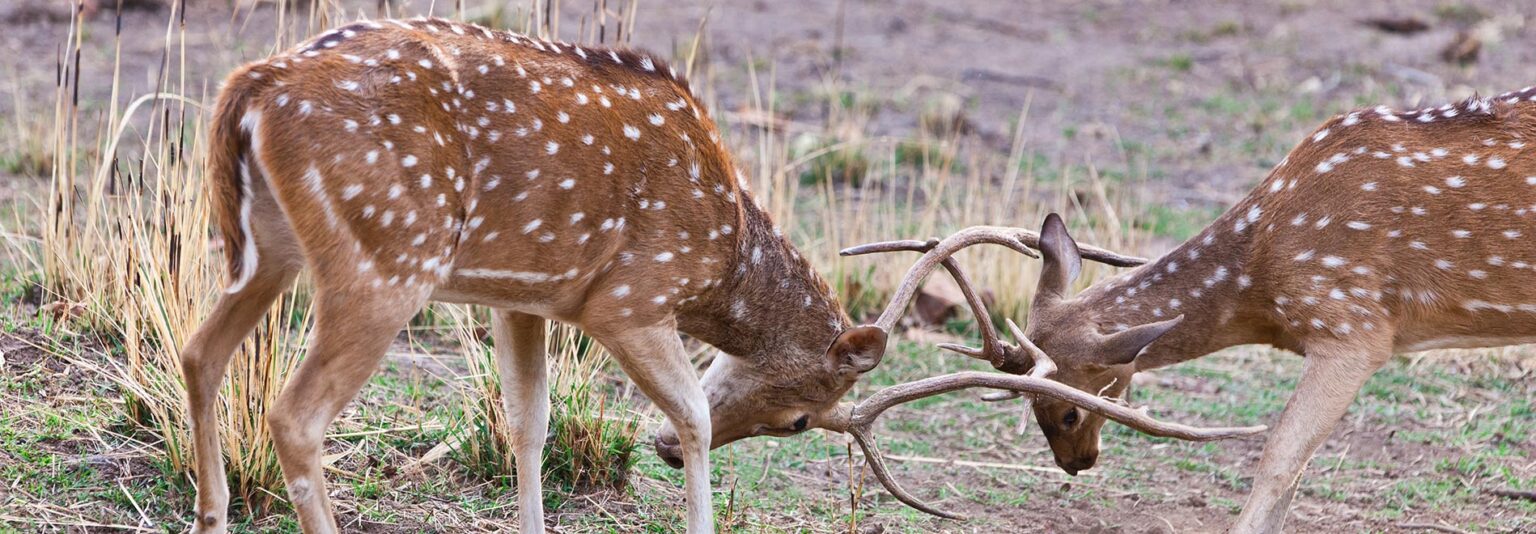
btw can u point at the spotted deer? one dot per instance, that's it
(1383, 232)
(404, 161)
(407, 161)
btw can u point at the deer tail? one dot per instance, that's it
(228, 174)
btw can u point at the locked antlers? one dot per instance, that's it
(1016, 359)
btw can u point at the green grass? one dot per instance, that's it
(800, 481)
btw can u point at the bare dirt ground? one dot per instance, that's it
(1189, 102)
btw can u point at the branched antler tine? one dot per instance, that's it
(876, 461)
(1044, 366)
(980, 354)
(870, 408)
(935, 252)
(858, 419)
(991, 347)
(890, 246)
(1089, 252)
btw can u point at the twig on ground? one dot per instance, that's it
(1513, 494)
(1431, 526)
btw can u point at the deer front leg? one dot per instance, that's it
(520, 358)
(352, 330)
(203, 363)
(1330, 379)
(655, 359)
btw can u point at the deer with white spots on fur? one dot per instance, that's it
(1382, 232)
(408, 161)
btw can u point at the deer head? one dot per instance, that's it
(1088, 357)
(748, 399)
(787, 351)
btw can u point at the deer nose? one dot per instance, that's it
(670, 450)
(1074, 465)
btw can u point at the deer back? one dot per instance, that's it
(490, 168)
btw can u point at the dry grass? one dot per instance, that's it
(126, 235)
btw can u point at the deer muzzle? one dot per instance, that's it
(670, 450)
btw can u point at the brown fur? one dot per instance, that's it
(407, 161)
(1382, 232)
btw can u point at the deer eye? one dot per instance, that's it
(801, 422)
(1070, 418)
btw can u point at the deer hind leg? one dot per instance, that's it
(655, 359)
(1330, 379)
(353, 328)
(520, 358)
(206, 357)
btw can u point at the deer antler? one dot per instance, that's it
(1016, 359)
(937, 252)
(858, 420)
(1013, 359)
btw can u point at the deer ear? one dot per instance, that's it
(856, 350)
(1063, 262)
(1123, 347)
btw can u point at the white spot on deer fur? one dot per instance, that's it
(1333, 261)
(1478, 274)
(577, 217)
(1455, 182)
(408, 161)
(351, 192)
(621, 291)
(657, 120)
(1511, 234)
(664, 257)
(516, 276)
(631, 132)
(1368, 186)
(1431, 190)
(1418, 245)
(568, 183)
(1322, 223)
(1358, 225)
(532, 225)
(1461, 234)
(1495, 163)
(1304, 255)
(1320, 135)
(1299, 219)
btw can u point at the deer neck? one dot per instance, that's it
(771, 305)
(1206, 280)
